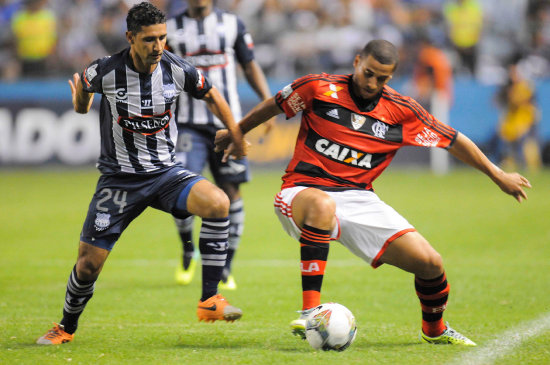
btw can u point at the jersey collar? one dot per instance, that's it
(364, 105)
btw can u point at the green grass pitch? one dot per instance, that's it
(496, 252)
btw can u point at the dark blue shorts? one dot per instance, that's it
(120, 198)
(196, 148)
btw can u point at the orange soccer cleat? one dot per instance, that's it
(217, 308)
(55, 336)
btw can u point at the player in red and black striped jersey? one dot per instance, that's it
(347, 143)
(351, 127)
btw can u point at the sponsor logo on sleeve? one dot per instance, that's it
(427, 138)
(248, 40)
(286, 91)
(296, 103)
(200, 80)
(89, 74)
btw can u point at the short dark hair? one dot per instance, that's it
(382, 51)
(142, 15)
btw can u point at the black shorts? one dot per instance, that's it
(120, 198)
(195, 149)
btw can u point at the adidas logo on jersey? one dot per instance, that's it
(333, 113)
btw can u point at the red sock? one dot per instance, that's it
(314, 246)
(433, 295)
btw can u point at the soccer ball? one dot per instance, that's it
(330, 326)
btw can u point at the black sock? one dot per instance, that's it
(185, 230)
(213, 248)
(227, 269)
(77, 295)
(188, 248)
(236, 227)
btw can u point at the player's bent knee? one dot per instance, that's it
(432, 266)
(207, 201)
(218, 207)
(315, 208)
(90, 261)
(87, 269)
(321, 207)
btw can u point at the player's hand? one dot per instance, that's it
(232, 146)
(82, 100)
(235, 151)
(222, 140)
(74, 84)
(513, 184)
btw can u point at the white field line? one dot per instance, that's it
(505, 342)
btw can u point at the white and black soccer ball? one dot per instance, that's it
(330, 326)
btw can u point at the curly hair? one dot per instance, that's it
(142, 15)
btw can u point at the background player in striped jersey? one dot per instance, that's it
(214, 41)
(351, 128)
(139, 86)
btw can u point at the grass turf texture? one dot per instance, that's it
(496, 254)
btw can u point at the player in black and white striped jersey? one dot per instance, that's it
(216, 42)
(139, 87)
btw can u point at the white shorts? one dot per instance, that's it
(365, 224)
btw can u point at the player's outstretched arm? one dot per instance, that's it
(219, 107)
(82, 100)
(511, 183)
(257, 81)
(262, 112)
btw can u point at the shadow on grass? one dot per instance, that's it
(283, 346)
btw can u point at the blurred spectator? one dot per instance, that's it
(537, 59)
(9, 67)
(433, 81)
(112, 27)
(34, 28)
(78, 43)
(465, 22)
(517, 131)
(344, 29)
(306, 36)
(432, 76)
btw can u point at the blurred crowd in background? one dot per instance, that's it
(53, 38)
(502, 43)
